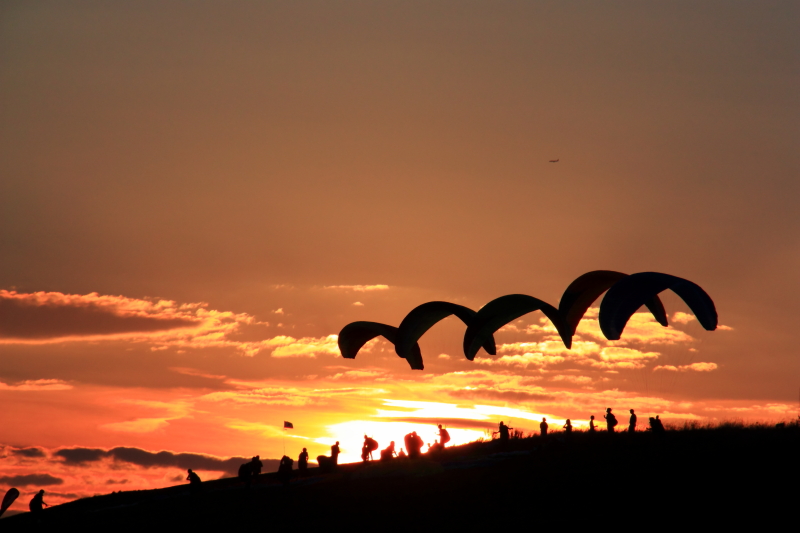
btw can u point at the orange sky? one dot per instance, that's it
(195, 198)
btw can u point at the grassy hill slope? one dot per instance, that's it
(721, 475)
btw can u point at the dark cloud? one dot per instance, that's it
(494, 394)
(38, 480)
(147, 459)
(117, 481)
(28, 452)
(77, 456)
(448, 422)
(20, 319)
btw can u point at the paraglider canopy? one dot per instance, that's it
(626, 296)
(424, 316)
(503, 310)
(585, 289)
(356, 334)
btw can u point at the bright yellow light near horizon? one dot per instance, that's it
(439, 411)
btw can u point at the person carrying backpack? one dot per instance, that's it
(444, 436)
(370, 445)
(611, 420)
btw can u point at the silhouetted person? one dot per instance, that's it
(285, 470)
(246, 473)
(659, 425)
(632, 423)
(36, 504)
(503, 431)
(335, 453)
(592, 427)
(370, 445)
(568, 427)
(436, 448)
(611, 420)
(444, 436)
(302, 462)
(413, 444)
(388, 453)
(194, 481)
(256, 465)
(543, 427)
(402, 454)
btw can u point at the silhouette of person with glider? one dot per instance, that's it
(632, 423)
(444, 436)
(370, 445)
(413, 444)
(611, 420)
(568, 427)
(302, 462)
(11, 495)
(36, 504)
(592, 427)
(285, 470)
(388, 453)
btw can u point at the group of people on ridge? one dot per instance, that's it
(656, 426)
(413, 444)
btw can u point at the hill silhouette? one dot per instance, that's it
(695, 475)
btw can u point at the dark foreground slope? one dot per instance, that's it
(723, 475)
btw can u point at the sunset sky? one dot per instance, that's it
(195, 197)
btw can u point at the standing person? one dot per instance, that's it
(611, 420)
(592, 427)
(36, 504)
(502, 429)
(335, 453)
(543, 427)
(632, 423)
(256, 465)
(302, 462)
(444, 436)
(285, 470)
(568, 427)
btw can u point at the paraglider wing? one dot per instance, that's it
(356, 334)
(582, 292)
(699, 302)
(424, 316)
(626, 296)
(8, 499)
(503, 310)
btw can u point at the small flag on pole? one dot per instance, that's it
(287, 425)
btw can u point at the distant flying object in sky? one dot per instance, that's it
(554, 161)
